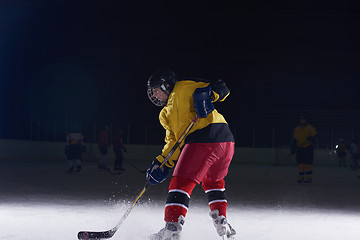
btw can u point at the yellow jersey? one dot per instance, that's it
(301, 135)
(179, 112)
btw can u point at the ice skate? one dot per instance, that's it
(171, 231)
(222, 227)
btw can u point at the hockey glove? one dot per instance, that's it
(219, 90)
(155, 174)
(202, 101)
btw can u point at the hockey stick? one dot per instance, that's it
(141, 171)
(87, 235)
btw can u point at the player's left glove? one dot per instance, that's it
(155, 174)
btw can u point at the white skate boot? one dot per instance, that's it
(171, 231)
(223, 228)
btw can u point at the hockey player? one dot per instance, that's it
(103, 144)
(354, 151)
(341, 152)
(303, 145)
(204, 156)
(118, 147)
(74, 147)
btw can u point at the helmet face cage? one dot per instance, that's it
(163, 80)
(155, 100)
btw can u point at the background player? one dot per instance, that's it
(341, 152)
(354, 151)
(74, 147)
(118, 147)
(303, 145)
(103, 144)
(206, 152)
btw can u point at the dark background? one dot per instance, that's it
(90, 60)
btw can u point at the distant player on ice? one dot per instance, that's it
(103, 144)
(303, 143)
(204, 156)
(340, 149)
(74, 147)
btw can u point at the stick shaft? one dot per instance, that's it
(147, 185)
(110, 233)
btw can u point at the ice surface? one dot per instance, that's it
(43, 222)
(40, 201)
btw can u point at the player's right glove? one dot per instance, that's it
(202, 101)
(155, 174)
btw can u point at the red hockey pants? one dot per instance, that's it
(199, 162)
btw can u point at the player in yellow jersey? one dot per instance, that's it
(304, 138)
(203, 157)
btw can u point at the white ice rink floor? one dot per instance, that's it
(40, 201)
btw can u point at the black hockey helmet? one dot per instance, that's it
(163, 79)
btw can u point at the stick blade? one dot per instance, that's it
(85, 235)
